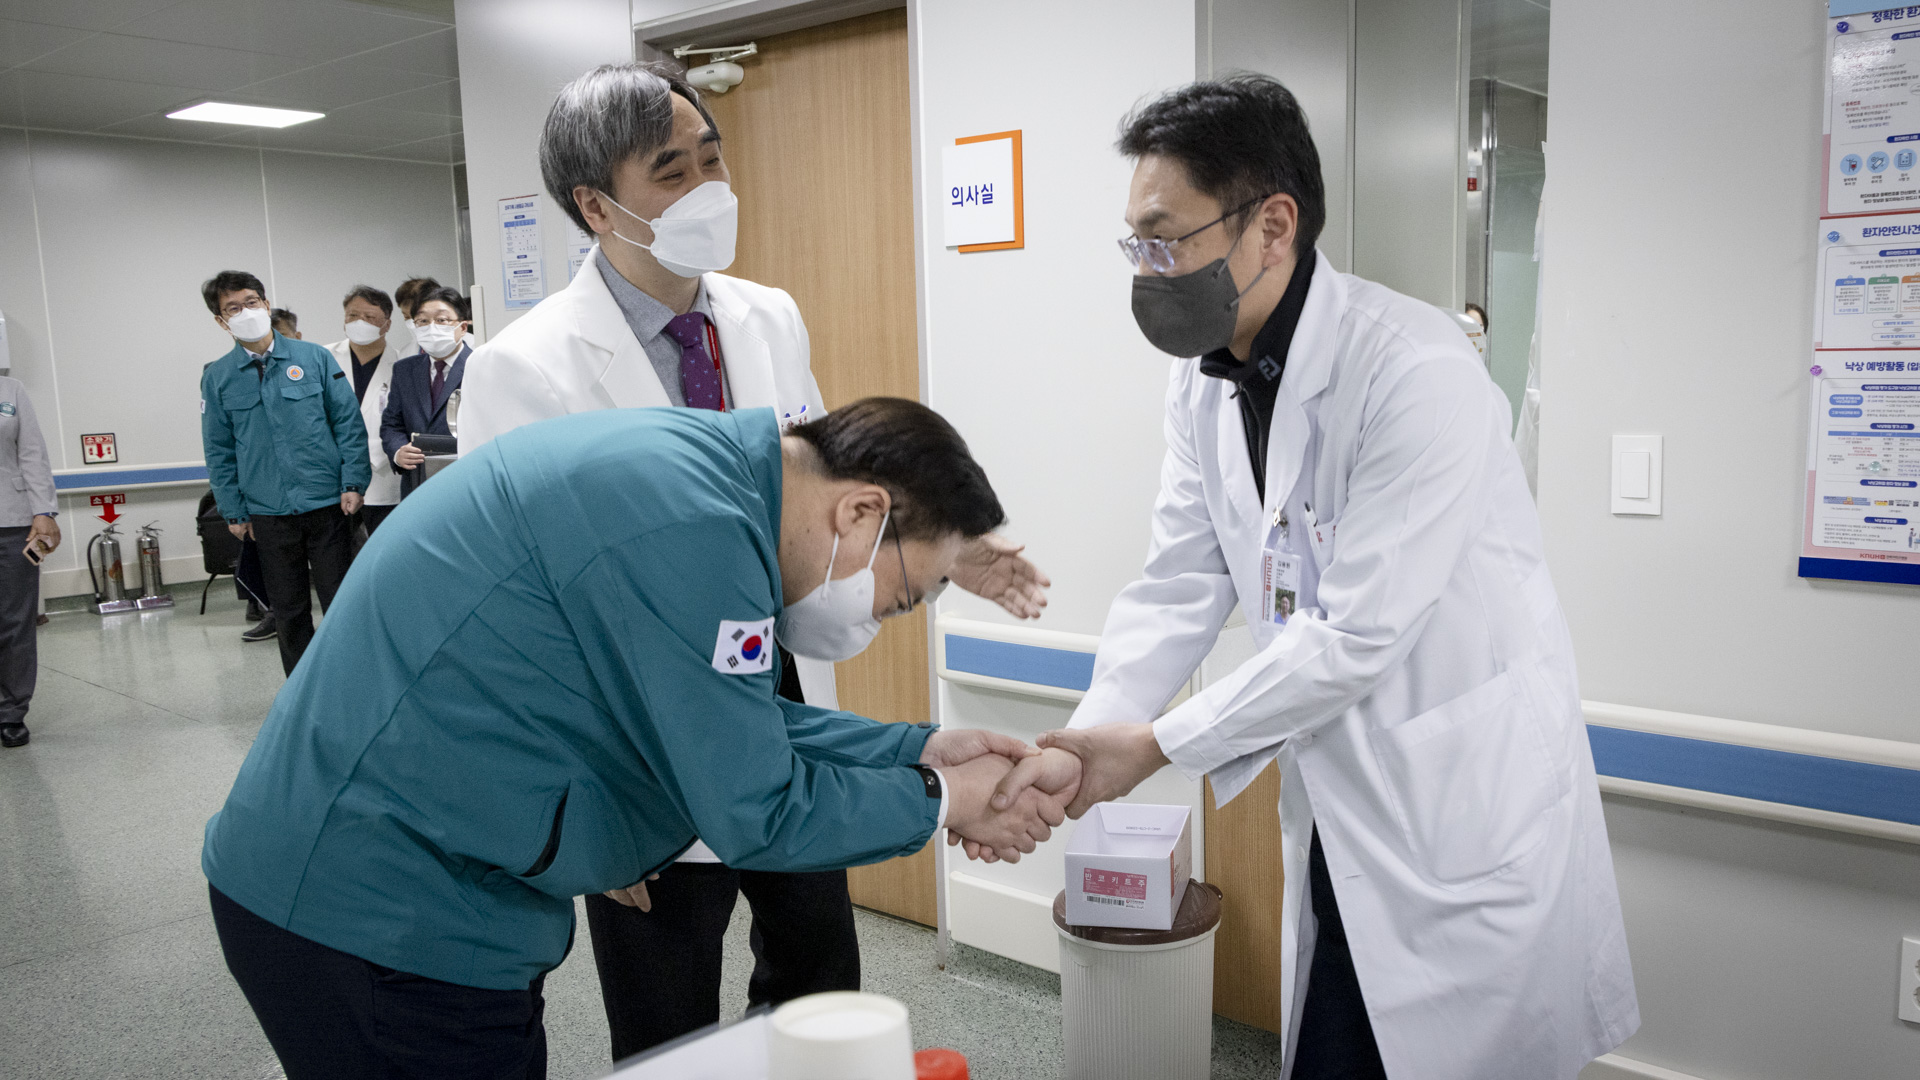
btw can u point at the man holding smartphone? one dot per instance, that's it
(27, 534)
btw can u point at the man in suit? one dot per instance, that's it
(425, 382)
(634, 158)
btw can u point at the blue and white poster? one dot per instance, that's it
(523, 276)
(1873, 113)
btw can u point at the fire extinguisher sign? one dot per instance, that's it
(98, 449)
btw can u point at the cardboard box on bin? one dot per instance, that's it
(1128, 865)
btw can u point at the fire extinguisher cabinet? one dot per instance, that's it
(1138, 1004)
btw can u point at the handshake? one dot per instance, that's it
(1004, 797)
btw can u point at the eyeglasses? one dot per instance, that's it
(927, 597)
(442, 321)
(1157, 254)
(237, 306)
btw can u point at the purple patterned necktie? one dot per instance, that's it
(699, 375)
(439, 378)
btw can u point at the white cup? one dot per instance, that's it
(843, 1035)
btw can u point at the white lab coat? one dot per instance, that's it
(384, 488)
(1423, 705)
(575, 353)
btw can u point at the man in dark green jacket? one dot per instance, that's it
(286, 454)
(548, 676)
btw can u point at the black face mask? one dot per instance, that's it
(1193, 314)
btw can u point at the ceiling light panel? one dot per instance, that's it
(220, 112)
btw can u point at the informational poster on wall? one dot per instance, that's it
(523, 279)
(1863, 471)
(1863, 432)
(1873, 112)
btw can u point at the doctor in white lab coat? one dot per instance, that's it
(630, 153)
(1450, 909)
(367, 355)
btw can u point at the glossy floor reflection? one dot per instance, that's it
(108, 962)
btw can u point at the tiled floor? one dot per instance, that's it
(108, 963)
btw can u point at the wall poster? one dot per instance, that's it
(1862, 512)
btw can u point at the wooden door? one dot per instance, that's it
(818, 139)
(1243, 858)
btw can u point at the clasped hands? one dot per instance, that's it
(1036, 789)
(1005, 797)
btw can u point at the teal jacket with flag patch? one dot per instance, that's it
(540, 681)
(283, 437)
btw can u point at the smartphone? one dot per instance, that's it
(32, 552)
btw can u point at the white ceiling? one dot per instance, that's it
(384, 73)
(1510, 42)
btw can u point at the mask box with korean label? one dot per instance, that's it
(1128, 865)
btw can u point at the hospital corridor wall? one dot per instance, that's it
(106, 243)
(1685, 148)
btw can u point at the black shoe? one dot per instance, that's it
(254, 614)
(13, 735)
(263, 631)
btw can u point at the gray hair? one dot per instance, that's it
(603, 118)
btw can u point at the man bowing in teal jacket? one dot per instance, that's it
(550, 672)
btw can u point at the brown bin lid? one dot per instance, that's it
(1199, 912)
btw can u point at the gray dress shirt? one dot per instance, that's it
(26, 475)
(648, 319)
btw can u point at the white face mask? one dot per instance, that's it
(835, 621)
(251, 324)
(437, 340)
(362, 332)
(696, 234)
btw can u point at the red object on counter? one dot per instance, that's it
(939, 1064)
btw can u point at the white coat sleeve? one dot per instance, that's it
(817, 682)
(503, 388)
(1162, 626)
(1413, 499)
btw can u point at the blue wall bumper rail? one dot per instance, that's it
(97, 478)
(1847, 783)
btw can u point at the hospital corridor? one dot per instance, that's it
(937, 540)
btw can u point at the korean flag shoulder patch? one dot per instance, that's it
(744, 648)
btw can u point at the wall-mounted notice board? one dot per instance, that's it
(1862, 516)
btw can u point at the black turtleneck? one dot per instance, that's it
(1257, 380)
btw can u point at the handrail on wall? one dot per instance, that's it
(96, 478)
(1844, 783)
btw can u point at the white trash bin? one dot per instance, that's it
(1138, 1004)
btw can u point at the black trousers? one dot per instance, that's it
(248, 585)
(289, 544)
(19, 637)
(330, 1015)
(1336, 1037)
(660, 969)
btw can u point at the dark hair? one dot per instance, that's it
(449, 297)
(282, 317)
(603, 118)
(1476, 309)
(227, 281)
(1240, 139)
(937, 488)
(409, 293)
(372, 296)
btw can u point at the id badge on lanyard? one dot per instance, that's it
(1279, 574)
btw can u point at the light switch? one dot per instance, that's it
(1636, 477)
(1636, 474)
